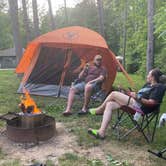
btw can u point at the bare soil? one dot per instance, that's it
(64, 142)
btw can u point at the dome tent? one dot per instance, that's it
(53, 60)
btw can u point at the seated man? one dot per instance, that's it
(145, 101)
(91, 78)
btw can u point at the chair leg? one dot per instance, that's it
(154, 131)
(119, 120)
(149, 135)
(138, 127)
(127, 133)
(159, 153)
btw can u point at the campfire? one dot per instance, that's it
(28, 105)
(31, 125)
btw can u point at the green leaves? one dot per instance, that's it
(160, 22)
(5, 31)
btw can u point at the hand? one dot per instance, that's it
(90, 82)
(122, 89)
(132, 94)
(86, 67)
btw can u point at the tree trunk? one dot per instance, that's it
(101, 17)
(150, 39)
(35, 18)
(66, 17)
(26, 21)
(51, 15)
(13, 9)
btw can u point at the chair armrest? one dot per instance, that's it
(148, 103)
(144, 101)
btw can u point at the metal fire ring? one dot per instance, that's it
(18, 133)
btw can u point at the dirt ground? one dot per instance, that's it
(64, 142)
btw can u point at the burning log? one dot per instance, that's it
(32, 115)
(28, 105)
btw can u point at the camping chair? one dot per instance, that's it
(146, 125)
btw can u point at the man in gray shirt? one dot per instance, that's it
(91, 79)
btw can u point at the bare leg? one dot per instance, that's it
(116, 96)
(114, 101)
(110, 106)
(87, 95)
(101, 108)
(70, 99)
(121, 98)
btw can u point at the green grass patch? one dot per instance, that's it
(9, 101)
(114, 162)
(8, 86)
(50, 163)
(11, 163)
(2, 155)
(71, 159)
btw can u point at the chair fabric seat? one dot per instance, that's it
(128, 109)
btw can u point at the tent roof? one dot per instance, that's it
(74, 35)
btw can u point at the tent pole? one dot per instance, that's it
(124, 71)
(66, 66)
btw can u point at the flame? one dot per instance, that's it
(27, 101)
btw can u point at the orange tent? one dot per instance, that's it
(53, 60)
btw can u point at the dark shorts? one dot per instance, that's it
(81, 86)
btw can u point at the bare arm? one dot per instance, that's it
(83, 73)
(148, 102)
(98, 79)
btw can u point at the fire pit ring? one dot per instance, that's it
(32, 133)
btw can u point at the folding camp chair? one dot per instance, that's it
(146, 125)
(159, 153)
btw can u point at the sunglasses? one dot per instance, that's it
(99, 59)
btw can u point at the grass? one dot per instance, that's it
(9, 101)
(50, 163)
(70, 159)
(11, 163)
(2, 155)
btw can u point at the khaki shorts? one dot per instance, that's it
(81, 86)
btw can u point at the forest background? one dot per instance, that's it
(125, 26)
